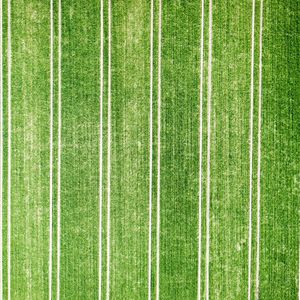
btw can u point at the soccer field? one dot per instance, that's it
(149, 149)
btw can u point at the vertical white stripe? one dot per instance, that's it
(1, 156)
(59, 152)
(8, 151)
(200, 153)
(100, 152)
(150, 151)
(158, 150)
(259, 149)
(251, 150)
(51, 154)
(209, 96)
(108, 154)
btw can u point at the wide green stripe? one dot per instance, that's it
(130, 149)
(29, 149)
(279, 266)
(230, 142)
(79, 150)
(179, 149)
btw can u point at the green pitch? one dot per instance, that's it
(149, 149)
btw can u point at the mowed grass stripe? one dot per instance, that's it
(179, 149)
(230, 161)
(279, 205)
(129, 201)
(28, 150)
(79, 112)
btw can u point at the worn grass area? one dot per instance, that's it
(151, 144)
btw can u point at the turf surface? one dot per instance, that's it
(150, 149)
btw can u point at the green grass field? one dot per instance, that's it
(149, 149)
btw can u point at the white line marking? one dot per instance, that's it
(8, 151)
(1, 155)
(200, 153)
(150, 151)
(259, 149)
(158, 150)
(209, 96)
(108, 152)
(101, 151)
(51, 153)
(251, 150)
(59, 151)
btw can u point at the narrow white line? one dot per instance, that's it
(51, 153)
(101, 151)
(259, 150)
(251, 150)
(108, 154)
(59, 153)
(200, 153)
(150, 151)
(1, 156)
(8, 151)
(158, 149)
(209, 96)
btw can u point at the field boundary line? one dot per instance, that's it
(158, 151)
(209, 96)
(200, 154)
(51, 155)
(259, 150)
(100, 153)
(9, 150)
(108, 154)
(59, 150)
(251, 150)
(150, 153)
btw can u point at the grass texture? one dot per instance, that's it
(149, 149)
